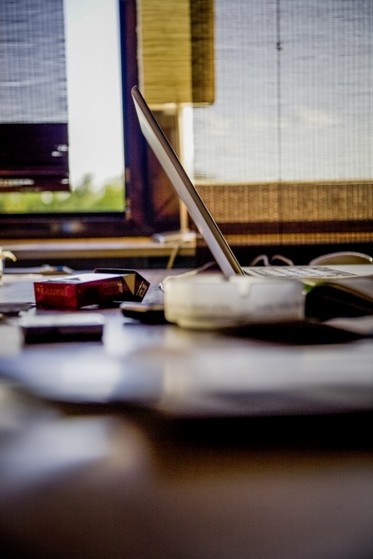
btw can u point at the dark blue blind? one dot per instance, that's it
(33, 96)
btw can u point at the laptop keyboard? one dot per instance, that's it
(299, 272)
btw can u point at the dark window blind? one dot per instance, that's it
(33, 96)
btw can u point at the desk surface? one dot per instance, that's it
(162, 442)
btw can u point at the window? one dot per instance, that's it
(281, 151)
(64, 118)
(285, 151)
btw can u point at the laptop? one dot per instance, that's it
(205, 222)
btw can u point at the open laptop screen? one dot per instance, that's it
(185, 189)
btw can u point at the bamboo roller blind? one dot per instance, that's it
(176, 51)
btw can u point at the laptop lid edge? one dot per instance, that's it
(184, 188)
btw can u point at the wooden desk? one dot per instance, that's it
(151, 444)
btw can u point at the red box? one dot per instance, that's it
(74, 292)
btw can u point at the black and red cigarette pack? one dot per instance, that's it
(77, 291)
